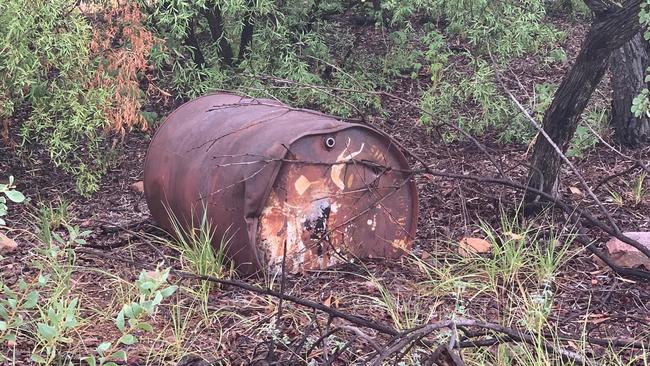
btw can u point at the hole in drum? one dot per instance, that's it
(329, 142)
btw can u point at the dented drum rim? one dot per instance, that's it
(249, 224)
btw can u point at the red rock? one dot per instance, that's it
(7, 245)
(469, 246)
(626, 255)
(138, 187)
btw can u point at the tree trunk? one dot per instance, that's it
(612, 27)
(629, 64)
(193, 44)
(246, 34)
(215, 22)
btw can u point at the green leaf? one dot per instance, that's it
(90, 360)
(119, 355)
(42, 280)
(157, 299)
(169, 291)
(31, 300)
(3, 325)
(103, 347)
(46, 331)
(119, 320)
(128, 339)
(15, 196)
(144, 326)
(38, 359)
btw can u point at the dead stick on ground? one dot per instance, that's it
(360, 321)
(417, 334)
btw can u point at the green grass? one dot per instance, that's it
(198, 255)
(514, 285)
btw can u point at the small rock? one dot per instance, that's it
(138, 187)
(7, 245)
(576, 191)
(470, 246)
(626, 255)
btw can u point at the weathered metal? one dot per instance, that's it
(278, 179)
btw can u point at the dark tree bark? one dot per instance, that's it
(246, 34)
(193, 44)
(628, 66)
(612, 27)
(215, 23)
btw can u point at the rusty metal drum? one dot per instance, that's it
(284, 186)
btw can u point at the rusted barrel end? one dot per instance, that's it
(281, 180)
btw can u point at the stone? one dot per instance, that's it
(7, 245)
(138, 187)
(470, 246)
(626, 255)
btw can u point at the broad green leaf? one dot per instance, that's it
(31, 300)
(119, 320)
(46, 331)
(157, 299)
(169, 291)
(103, 347)
(144, 326)
(9, 337)
(38, 359)
(128, 339)
(42, 279)
(15, 196)
(90, 360)
(3, 325)
(119, 355)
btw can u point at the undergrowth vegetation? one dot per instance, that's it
(155, 316)
(76, 78)
(66, 81)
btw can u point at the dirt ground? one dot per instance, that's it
(588, 299)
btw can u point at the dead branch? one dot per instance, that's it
(404, 338)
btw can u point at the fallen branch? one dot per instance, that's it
(414, 333)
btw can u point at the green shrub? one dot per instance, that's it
(474, 103)
(45, 63)
(288, 42)
(8, 192)
(507, 28)
(63, 72)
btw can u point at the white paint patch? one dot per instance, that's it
(301, 185)
(337, 170)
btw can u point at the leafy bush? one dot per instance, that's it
(506, 28)
(236, 45)
(321, 65)
(473, 102)
(641, 103)
(71, 81)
